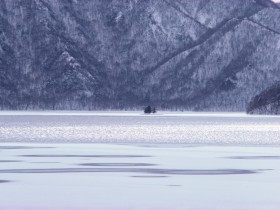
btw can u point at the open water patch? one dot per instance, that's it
(10, 161)
(4, 181)
(86, 156)
(117, 164)
(255, 157)
(22, 147)
(150, 177)
(136, 170)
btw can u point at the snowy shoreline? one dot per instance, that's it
(136, 113)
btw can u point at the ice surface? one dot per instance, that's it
(134, 127)
(195, 161)
(88, 176)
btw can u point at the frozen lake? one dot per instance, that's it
(193, 161)
(123, 127)
(98, 176)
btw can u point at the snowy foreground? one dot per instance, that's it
(171, 161)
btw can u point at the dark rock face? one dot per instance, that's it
(267, 102)
(195, 54)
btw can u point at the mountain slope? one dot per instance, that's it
(267, 102)
(194, 54)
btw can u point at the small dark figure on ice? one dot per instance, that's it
(149, 110)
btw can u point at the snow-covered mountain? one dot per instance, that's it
(81, 54)
(267, 102)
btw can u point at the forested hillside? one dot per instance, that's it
(97, 54)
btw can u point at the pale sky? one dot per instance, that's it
(278, 1)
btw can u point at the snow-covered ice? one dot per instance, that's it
(98, 176)
(196, 161)
(127, 127)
